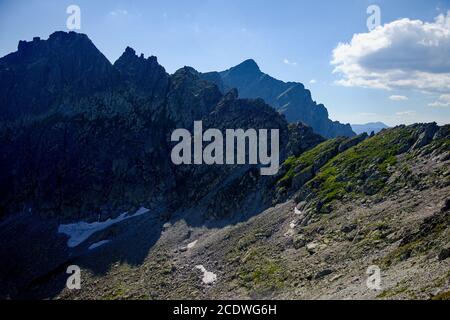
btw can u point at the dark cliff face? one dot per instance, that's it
(43, 75)
(190, 98)
(96, 139)
(145, 75)
(291, 99)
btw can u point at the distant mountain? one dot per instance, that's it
(289, 98)
(369, 127)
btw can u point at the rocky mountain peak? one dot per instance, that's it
(130, 56)
(146, 74)
(44, 75)
(61, 44)
(129, 51)
(187, 71)
(249, 66)
(290, 98)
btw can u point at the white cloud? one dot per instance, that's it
(290, 63)
(403, 54)
(443, 101)
(119, 12)
(398, 98)
(407, 113)
(313, 81)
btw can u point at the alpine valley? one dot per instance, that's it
(86, 179)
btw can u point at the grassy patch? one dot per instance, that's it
(362, 169)
(297, 165)
(401, 253)
(260, 274)
(442, 296)
(116, 294)
(392, 292)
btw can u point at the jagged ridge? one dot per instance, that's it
(291, 98)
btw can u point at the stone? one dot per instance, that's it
(348, 228)
(323, 273)
(444, 254)
(311, 247)
(299, 241)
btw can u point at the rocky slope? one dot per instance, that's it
(87, 180)
(295, 249)
(291, 98)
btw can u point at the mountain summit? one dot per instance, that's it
(44, 74)
(289, 98)
(248, 67)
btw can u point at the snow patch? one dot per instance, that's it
(192, 244)
(80, 231)
(298, 212)
(290, 232)
(208, 277)
(98, 244)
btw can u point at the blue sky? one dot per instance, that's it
(290, 40)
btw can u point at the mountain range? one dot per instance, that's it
(289, 98)
(368, 128)
(86, 179)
